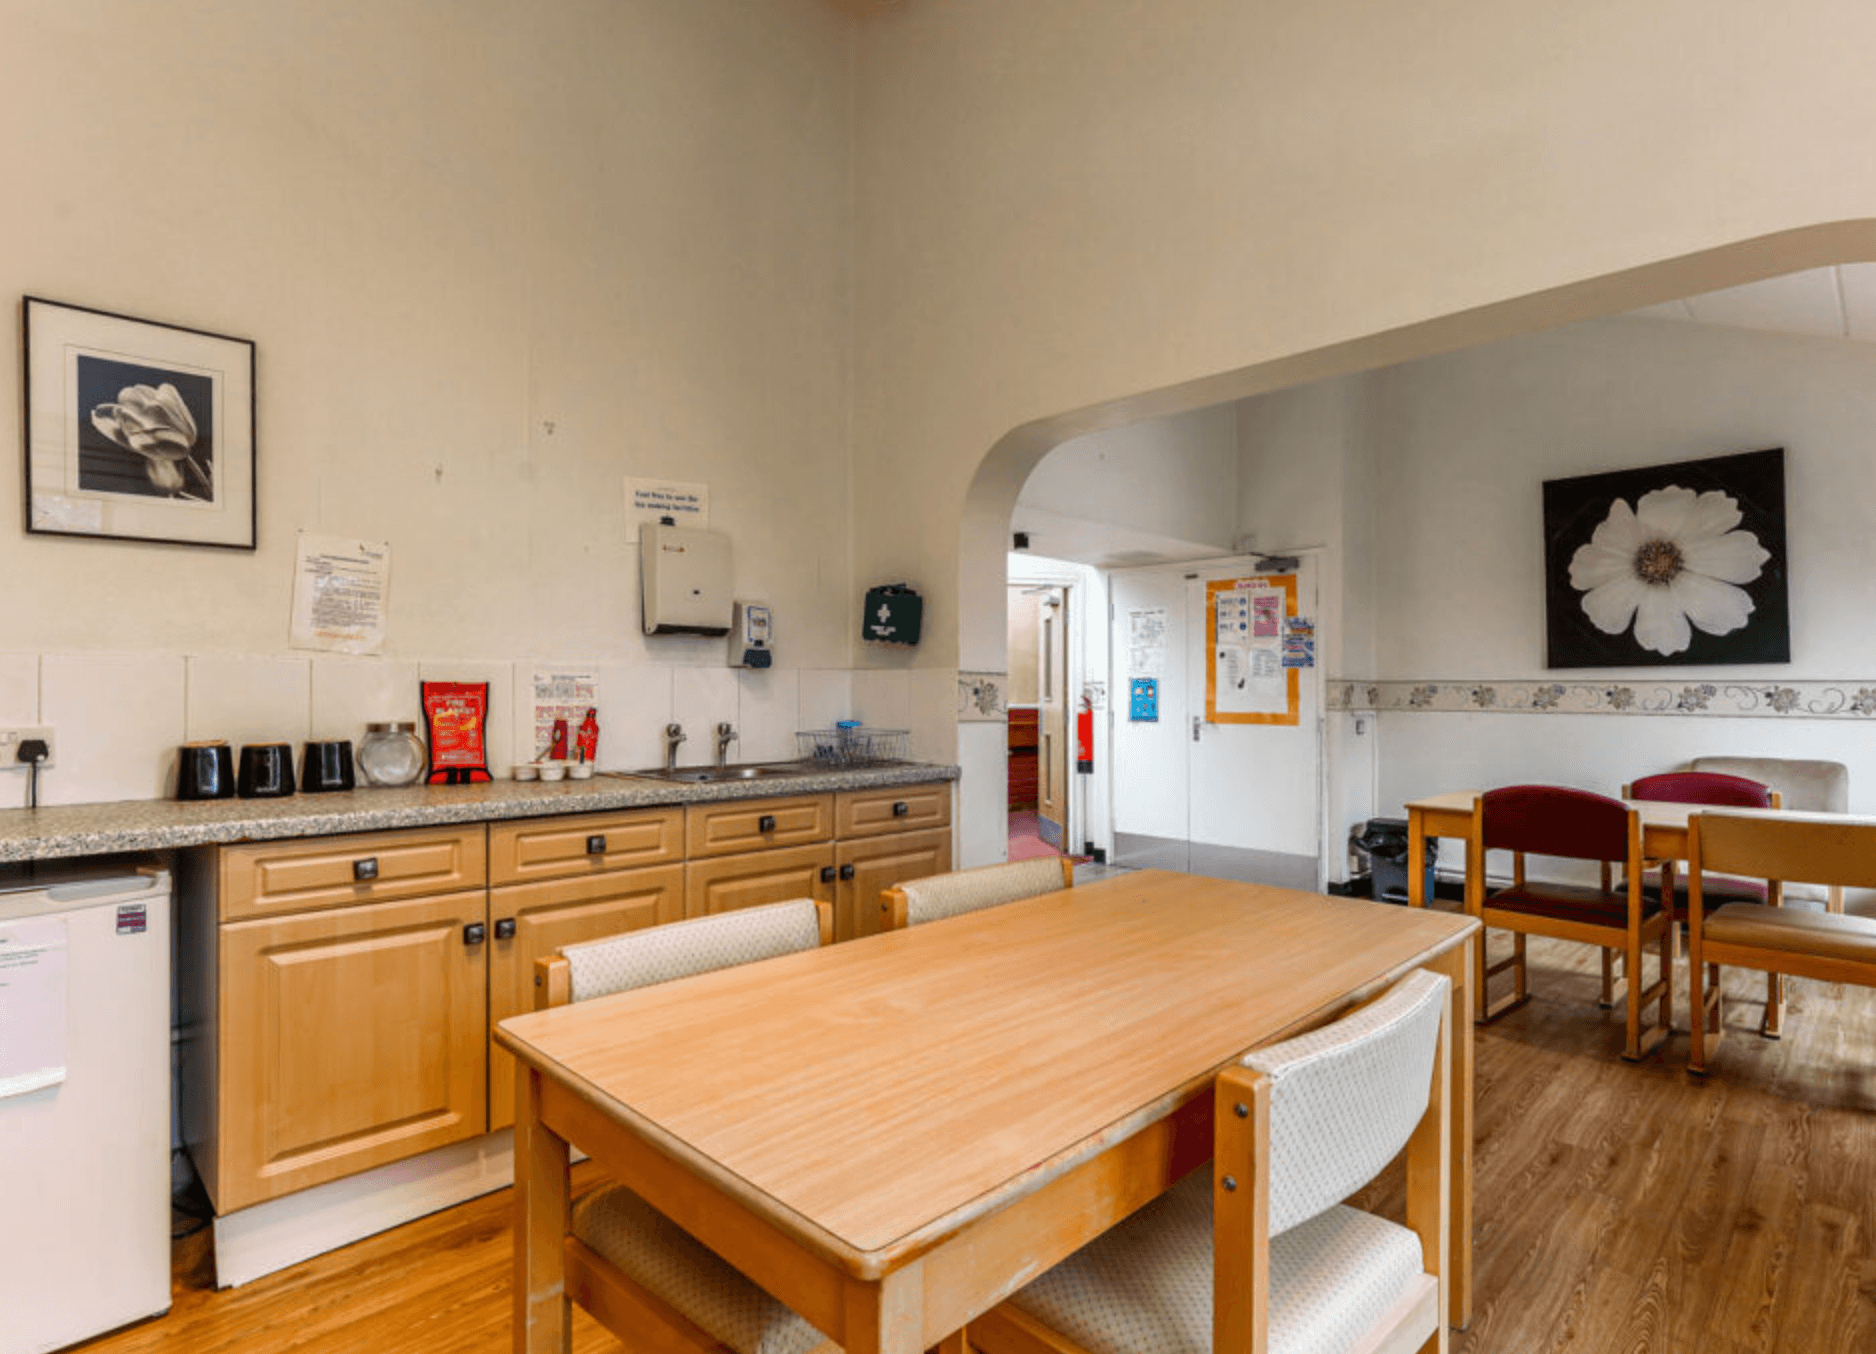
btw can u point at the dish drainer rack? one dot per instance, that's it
(852, 747)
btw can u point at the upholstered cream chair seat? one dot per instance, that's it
(938, 896)
(1331, 1109)
(645, 1278)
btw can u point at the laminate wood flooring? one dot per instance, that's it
(1620, 1208)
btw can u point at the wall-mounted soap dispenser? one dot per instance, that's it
(684, 580)
(752, 636)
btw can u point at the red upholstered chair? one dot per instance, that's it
(1546, 820)
(1720, 791)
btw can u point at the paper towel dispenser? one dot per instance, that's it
(684, 580)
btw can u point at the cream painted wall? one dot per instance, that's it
(1062, 206)
(494, 262)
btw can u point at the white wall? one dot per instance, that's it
(494, 263)
(1170, 480)
(1464, 443)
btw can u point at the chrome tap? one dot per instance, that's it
(673, 735)
(725, 736)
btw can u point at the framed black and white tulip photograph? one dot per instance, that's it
(1680, 564)
(137, 430)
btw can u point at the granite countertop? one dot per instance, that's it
(157, 824)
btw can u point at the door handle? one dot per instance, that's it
(474, 933)
(366, 869)
(596, 845)
(1198, 722)
(901, 809)
(505, 929)
(766, 823)
(846, 872)
(827, 874)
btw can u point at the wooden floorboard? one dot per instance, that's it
(1621, 1208)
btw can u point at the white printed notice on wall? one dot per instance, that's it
(1247, 680)
(341, 594)
(32, 1004)
(687, 505)
(562, 696)
(1146, 643)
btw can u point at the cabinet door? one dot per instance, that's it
(868, 868)
(348, 1038)
(547, 916)
(723, 885)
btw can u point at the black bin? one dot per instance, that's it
(1382, 842)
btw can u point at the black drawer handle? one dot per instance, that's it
(827, 874)
(901, 809)
(846, 872)
(474, 933)
(505, 929)
(766, 823)
(365, 869)
(596, 845)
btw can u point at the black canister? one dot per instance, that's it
(327, 765)
(205, 771)
(266, 771)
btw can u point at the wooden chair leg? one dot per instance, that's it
(1706, 1012)
(1640, 996)
(1773, 1026)
(1608, 978)
(1483, 1007)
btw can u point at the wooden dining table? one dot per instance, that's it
(1663, 825)
(893, 1134)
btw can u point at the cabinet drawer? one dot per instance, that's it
(754, 824)
(268, 879)
(897, 808)
(555, 848)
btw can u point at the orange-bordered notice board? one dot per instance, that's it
(1245, 679)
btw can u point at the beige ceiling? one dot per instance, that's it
(1837, 302)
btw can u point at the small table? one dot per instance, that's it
(893, 1134)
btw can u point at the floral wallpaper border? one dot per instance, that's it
(1771, 699)
(983, 697)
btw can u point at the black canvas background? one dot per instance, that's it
(1574, 508)
(105, 467)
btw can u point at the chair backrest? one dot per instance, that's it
(1807, 786)
(1550, 820)
(660, 954)
(1704, 787)
(949, 895)
(1344, 1099)
(1823, 848)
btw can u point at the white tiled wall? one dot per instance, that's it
(118, 718)
(19, 704)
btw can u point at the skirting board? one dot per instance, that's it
(269, 1237)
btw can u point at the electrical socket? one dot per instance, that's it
(10, 740)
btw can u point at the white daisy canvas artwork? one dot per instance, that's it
(1680, 564)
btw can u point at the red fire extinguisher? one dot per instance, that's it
(1084, 737)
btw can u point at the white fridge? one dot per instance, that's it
(84, 1100)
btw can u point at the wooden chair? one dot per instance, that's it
(1832, 947)
(1258, 1253)
(935, 897)
(1802, 784)
(644, 1278)
(1547, 820)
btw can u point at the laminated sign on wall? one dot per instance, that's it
(1247, 680)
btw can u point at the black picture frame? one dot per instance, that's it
(1575, 509)
(137, 430)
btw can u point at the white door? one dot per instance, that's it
(1222, 782)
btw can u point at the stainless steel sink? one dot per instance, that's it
(712, 775)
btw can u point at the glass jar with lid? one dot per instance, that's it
(391, 753)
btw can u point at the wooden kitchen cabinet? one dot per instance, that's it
(348, 1038)
(897, 808)
(757, 877)
(532, 921)
(272, 879)
(587, 843)
(739, 825)
(868, 867)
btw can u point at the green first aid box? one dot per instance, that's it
(892, 615)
